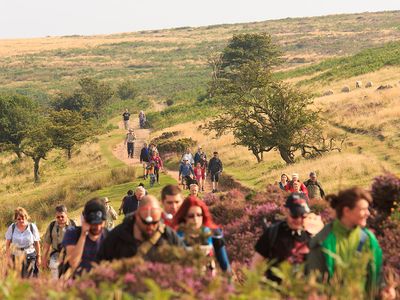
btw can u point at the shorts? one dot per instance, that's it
(215, 177)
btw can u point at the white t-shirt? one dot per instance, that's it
(23, 239)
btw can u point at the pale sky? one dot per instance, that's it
(39, 18)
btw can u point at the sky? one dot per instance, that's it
(40, 18)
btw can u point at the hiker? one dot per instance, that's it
(130, 202)
(144, 159)
(196, 227)
(198, 154)
(140, 234)
(82, 243)
(158, 164)
(200, 175)
(284, 181)
(130, 142)
(142, 119)
(188, 156)
(296, 186)
(125, 117)
(152, 149)
(23, 244)
(314, 188)
(347, 237)
(151, 172)
(215, 169)
(194, 190)
(185, 173)
(171, 199)
(52, 240)
(110, 213)
(285, 240)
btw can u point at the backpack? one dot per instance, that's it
(52, 224)
(272, 232)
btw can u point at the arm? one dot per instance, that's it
(36, 244)
(74, 252)
(46, 253)
(114, 214)
(8, 250)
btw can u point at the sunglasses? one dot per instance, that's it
(20, 218)
(192, 216)
(60, 217)
(149, 223)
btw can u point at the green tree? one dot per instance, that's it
(68, 129)
(77, 101)
(127, 90)
(16, 116)
(37, 143)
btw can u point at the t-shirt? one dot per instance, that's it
(290, 245)
(57, 235)
(90, 249)
(131, 203)
(126, 116)
(23, 239)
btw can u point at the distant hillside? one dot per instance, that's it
(171, 64)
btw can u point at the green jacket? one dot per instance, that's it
(319, 260)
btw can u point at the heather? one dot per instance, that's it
(178, 274)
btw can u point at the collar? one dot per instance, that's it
(340, 229)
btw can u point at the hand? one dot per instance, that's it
(85, 227)
(388, 293)
(38, 261)
(120, 211)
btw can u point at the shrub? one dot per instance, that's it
(127, 90)
(169, 102)
(177, 146)
(385, 193)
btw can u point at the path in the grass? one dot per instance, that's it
(142, 136)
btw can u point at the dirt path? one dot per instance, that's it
(143, 136)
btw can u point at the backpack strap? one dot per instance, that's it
(363, 239)
(51, 230)
(145, 247)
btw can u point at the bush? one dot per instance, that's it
(169, 102)
(165, 136)
(177, 146)
(385, 193)
(127, 90)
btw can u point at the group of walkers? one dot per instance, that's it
(130, 136)
(312, 188)
(187, 223)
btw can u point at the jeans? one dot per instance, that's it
(130, 149)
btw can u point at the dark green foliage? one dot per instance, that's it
(69, 129)
(166, 145)
(127, 90)
(169, 102)
(17, 116)
(386, 193)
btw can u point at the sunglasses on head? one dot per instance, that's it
(149, 223)
(192, 216)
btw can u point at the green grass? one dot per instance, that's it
(366, 61)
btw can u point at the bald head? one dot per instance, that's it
(150, 201)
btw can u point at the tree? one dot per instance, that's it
(17, 114)
(127, 90)
(68, 129)
(261, 113)
(77, 102)
(37, 143)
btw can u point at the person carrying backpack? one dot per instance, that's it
(286, 240)
(52, 241)
(23, 244)
(82, 243)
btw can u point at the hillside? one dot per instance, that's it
(171, 64)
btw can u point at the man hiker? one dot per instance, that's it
(185, 173)
(286, 240)
(82, 243)
(130, 202)
(171, 199)
(130, 142)
(215, 170)
(53, 239)
(140, 234)
(314, 187)
(125, 117)
(144, 159)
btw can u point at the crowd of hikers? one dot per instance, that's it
(186, 222)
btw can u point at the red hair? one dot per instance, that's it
(190, 201)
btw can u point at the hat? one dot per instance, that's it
(94, 211)
(130, 130)
(295, 175)
(297, 204)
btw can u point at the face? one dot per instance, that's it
(187, 150)
(294, 223)
(21, 219)
(148, 229)
(283, 178)
(313, 178)
(296, 186)
(215, 155)
(358, 215)
(194, 217)
(140, 194)
(186, 162)
(61, 218)
(172, 203)
(96, 229)
(194, 190)
(198, 165)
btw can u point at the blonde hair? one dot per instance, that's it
(20, 211)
